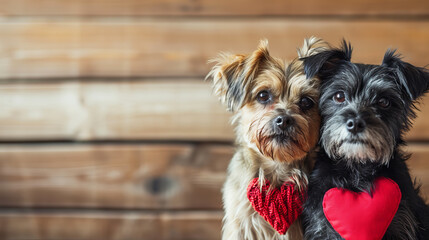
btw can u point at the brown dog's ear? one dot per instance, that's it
(233, 75)
(414, 80)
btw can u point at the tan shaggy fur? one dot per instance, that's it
(237, 79)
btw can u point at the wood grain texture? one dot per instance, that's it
(128, 176)
(39, 48)
(177, 109)
(113, 176)
(158, 109)
(419, 166)
(208, 7)
(199, 225)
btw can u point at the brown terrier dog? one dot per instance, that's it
(277, 126)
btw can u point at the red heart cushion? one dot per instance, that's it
(358, 216)
(280, 207)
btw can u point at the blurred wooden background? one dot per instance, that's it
(107, 128)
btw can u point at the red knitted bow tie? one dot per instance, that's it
(280, 207)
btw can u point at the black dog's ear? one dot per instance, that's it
(415, 80)
(325, 63)
(233, 75)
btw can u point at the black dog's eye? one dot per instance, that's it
(263, 97)
(339, 97)
(383, 102)
(306, 103)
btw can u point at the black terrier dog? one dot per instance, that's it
(365, 111)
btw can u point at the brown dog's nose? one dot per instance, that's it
(282, 122)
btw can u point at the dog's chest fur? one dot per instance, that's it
(327, 175)
(239, 213)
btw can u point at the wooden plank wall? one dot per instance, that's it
(107, 128)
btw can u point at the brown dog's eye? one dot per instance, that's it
(306, 103)
(339, 97)
(264, 97)
(383, 102)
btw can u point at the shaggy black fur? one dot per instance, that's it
(376, 152)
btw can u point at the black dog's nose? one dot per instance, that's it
(355, 125)
(283, 121)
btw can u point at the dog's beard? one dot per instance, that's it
(287, 146)
(374, 144)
